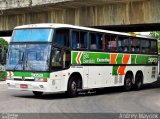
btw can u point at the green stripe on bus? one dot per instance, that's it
(119, 58)
(115, 70)
(104, 58)
(31, 74)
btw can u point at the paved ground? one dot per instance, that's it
(109, 100)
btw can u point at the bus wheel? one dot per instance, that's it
(72, 87)
(138, 81)
(128, 82)
(37, 93)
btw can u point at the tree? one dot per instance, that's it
(155, 34)
(3, 50)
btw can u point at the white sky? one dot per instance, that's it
(143, 33)
(6, 38)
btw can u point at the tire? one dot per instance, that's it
(138, 81)
(128, 83)
(37, 93)
(72, 87)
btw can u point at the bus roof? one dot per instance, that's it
(56, 25)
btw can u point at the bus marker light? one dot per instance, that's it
(134, 35)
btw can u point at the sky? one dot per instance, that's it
(6, 38)
(143, 33)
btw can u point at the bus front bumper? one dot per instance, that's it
(31, 86)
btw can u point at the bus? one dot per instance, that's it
(66, 58)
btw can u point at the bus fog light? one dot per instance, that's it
(41, 86)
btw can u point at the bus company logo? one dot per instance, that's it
(85, 55)
(37, 75)
(150, 60)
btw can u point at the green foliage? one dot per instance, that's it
(2, 75)
(155, 34)
(3, 50)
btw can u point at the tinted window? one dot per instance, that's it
(112, 43)
(96, 41)
(79, 39)
(62, 37)
(153, 48)
(145, 46)
(135, 45)
(123, 44)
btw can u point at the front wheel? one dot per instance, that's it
(37, 93)
(128, 83)
(72, 87)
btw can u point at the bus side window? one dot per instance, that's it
(144, 46)
(96, 41)
(123, 44)
(66, 59)
(83, 40)
(75, 39)
(135, 45)
(79, 40)
(92, 39)
(153, 48)
(107, 38)
(99, 41)
(112, 44)
(56, 58)
(62, 37)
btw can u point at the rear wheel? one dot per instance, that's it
(37, 93)
(128, 82)
(138, 81)
(72, 87)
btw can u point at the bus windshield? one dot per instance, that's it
(32, 35)
(29, 57)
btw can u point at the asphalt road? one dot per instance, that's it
(108, 100)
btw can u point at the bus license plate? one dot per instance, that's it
(23, 86)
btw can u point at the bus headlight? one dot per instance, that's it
(9, 78)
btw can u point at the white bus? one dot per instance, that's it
(67, 58)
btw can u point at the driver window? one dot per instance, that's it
(56, 58)
(60, 58)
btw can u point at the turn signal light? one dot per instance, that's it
(45, 79)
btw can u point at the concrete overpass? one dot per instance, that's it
(119, 15)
